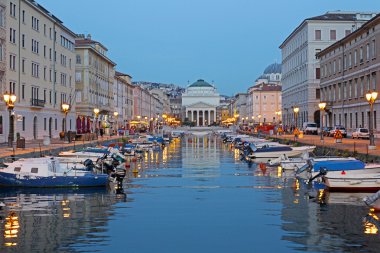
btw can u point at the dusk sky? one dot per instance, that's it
(229, 42)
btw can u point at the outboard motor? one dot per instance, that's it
(89, 164)
(322, 172)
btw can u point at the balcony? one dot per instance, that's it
(37, 102)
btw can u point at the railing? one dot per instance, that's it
(37, 102)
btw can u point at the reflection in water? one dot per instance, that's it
(51, 220)
(195, 196)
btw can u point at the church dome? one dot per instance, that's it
(273, 68)
(201, 83)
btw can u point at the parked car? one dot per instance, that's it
(340, 128)
(310, 128)
(326, 131)
(361, 133)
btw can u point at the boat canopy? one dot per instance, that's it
(339, 165)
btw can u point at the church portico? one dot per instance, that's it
(200, 101)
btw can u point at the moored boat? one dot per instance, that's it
(49, 172)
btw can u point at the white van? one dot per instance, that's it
(310, 128)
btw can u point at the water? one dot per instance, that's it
(196, 196)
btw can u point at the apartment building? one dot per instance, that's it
(300, 66)
(123, 98)
(94, 77)
(349, 69)
(37, 65)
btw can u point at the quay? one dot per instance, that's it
(36, 148)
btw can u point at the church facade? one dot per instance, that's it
(199, 102)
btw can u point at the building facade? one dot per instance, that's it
(257, 104)
(94, 77)
(349, 69)
(266, 103)
(300, 67)
(199, 102)
(123, 99)
(37, 65)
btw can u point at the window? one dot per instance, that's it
(355, 57)
(373, 81)
(23, 40)
(35, 69)
(45, 124)
(23, 66)
(361, 54)
(12, 35)
(23, 16)
(373, 50)
(23, 91)
(12, 62)
(35, 24)
(12, 87)
(332, 34)
(23, 123)
(368, 83)
(78, 77)
(79, 61)
(35, 170)
(318, 93)
(35, 46)
(12, 10)
(318, 34)
(44, 51)
(2, 16)
(349, 60)
(367, 52)
(317, 73)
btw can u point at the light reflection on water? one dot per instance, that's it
(196, 196)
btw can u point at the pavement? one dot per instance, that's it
(56, 144)
(353, 145)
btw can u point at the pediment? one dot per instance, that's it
(200, 105)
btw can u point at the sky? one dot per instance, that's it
(225, 42)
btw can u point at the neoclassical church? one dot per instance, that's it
(199, 102)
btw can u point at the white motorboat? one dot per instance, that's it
(267, 153)
(367, 179)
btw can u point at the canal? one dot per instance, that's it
(195, 196)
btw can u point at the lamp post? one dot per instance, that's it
(371, 97)
(116, 114)
(296, 110)
(259, 116)
(322, 106)
(96, 112)
(65, 109)
(10, 100)
(253, 120)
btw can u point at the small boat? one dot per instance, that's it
(353, 180)
(314, 167)
(267, 153)
(48, 172)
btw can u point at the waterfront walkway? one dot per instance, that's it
(37, 146)
(352, 145)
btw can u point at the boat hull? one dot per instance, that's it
(91, 180)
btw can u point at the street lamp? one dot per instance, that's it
(116, 114)
(96, 112)
(65, 109)
(259, 119)
(296, 110)
(10, 100)
(322, 106)
(371, 97)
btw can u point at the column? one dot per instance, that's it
(214, 115)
